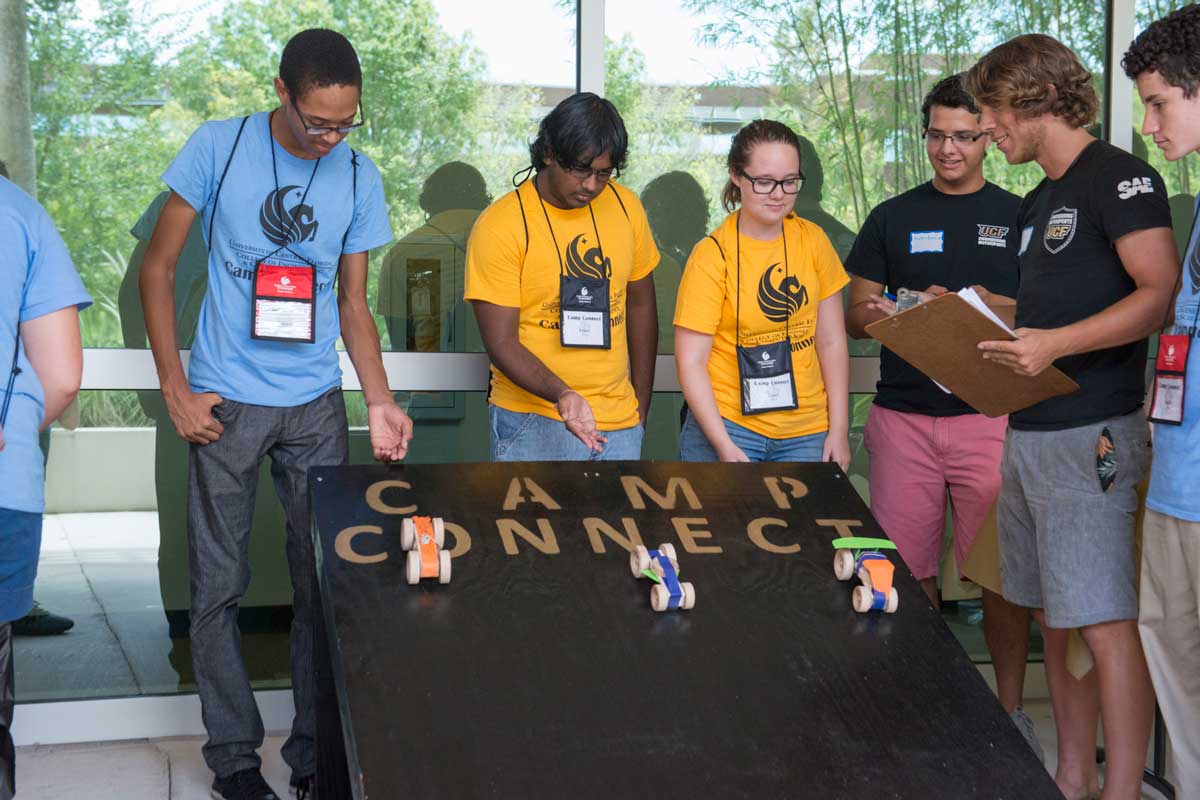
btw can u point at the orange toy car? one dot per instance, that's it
(422, 538)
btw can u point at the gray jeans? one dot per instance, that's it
(222, 480)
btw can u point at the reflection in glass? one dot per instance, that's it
(677, 210)
(420, 299)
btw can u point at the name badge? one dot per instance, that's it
(767, 380)
(584, 314)
(284, 308)
(1170, 379)
(926, 241)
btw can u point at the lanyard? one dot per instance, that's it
(303, 197)
(737, 313)
(562, 270)
(12, 376)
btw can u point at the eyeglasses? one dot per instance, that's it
(767, 185)
(322, 130)
(582, 173)
(962, 138)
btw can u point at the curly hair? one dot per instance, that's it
(580, 129)
(316, 58)
(1035, 74)
(1170, 47)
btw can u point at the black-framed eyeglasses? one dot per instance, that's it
(936, 138)
(767, 185)
(581, 173)
(322, 130)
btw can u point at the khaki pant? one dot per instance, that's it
(1169, 622)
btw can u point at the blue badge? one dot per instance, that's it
(1026, 235)
(926, 241)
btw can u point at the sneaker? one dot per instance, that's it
(40, 622)
(1028, 730)
(245, 785)
(304, 788)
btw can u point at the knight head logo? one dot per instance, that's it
(590, 264)
(285, 280)
(766, 356)
(779, 301)
(283, 225)
(583, 291)
(1171, 351)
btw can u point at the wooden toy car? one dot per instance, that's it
(662, 567)
(422, 538)
(861, 556)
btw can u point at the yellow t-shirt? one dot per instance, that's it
(506, 269)
(707, 303)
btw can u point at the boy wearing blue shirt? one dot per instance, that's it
(41, 364)
(289, 212)
(1165, 62)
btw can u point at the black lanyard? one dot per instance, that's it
(12, 375)
(291, 220)
(737, 313)
(561, 267)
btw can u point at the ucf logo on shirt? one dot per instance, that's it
(1060, 230)
(778, 303)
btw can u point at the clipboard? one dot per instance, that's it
(940, 339)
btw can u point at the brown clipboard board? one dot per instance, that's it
(940, 338)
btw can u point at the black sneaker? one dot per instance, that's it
(40, 622)
(304, 788)
(245, 785)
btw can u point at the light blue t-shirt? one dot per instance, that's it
(1176, 469)
(253, 218)
(36, 278)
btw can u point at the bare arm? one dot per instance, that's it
(833, 356)
(52, 345)
(866, 304)
(692, 351)
(499, 327)
(391, 429)
(191, 413)
(641, 308)
(1150, 258)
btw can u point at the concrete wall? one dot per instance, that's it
(100, 469)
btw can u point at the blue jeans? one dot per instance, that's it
(20, 544)
(694, 445)
(532, 437)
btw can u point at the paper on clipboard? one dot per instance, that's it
(941, 339)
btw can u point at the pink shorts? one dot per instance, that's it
(915, 461)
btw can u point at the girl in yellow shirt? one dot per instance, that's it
(760, 345)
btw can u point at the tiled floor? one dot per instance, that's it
(173, 769)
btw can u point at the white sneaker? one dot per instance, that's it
(1028, 730)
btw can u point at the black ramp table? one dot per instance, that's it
(542, 671)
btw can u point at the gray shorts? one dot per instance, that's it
(1066, 542)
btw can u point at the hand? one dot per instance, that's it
(391, 431)
(881, 303)
(1033, 351)
(191, 414)
(936, 290)
(731, 453)
(577, 416)
(837, 449)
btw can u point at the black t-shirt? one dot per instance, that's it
(925, 237)
(1070, 271)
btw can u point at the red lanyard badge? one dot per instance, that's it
(284, 308)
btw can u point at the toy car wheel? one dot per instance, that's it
(408, 534)
(689, 596)
(893, 602)
(639, 560)
(412, 567)
(659, 597)
(843, 564)
(861, 599)
(439, 532)
(444, 566)
(865, 578)
(668, 550)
